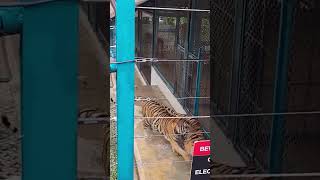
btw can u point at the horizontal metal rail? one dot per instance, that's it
(173, 9)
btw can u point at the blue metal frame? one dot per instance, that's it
(50, 90)
(198, 83)
(11, 19)
(113, 68)
(281, 86)
(125, 34)
(49, 98)
(49, 74)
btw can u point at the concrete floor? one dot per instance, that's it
(154, 157)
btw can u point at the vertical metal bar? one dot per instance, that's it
(191, 27)
(140, 33)
(239, 30)
(125, 25)
(155, 31)
(186, 56)
(177, 31)
(198, 80)
(175, 85)
(50, 91)
(281, 86)
(212, 82)
(194, 38)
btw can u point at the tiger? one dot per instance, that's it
(180, 132)
(191, 132)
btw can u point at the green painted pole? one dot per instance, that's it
(11, 20)
(198, 83)
(50, 54)
(125, 33)
(281, 86)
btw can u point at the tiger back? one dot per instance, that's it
(180, 132)
(152, 109)
(189, 127)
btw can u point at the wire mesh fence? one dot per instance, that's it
(174, 34)
(244, 75)
(223, 13)
(244, 46)
(303, 87)
(144, 40)
(255, 84)
(170, 35)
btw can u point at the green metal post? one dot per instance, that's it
(11, 20)
(281, 86)
(10, 23)
(50, 91)
(198, 83)
(196, 101)
(125, 19)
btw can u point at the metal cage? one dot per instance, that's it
(247, 47)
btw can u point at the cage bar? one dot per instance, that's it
(281, 85)
(49, 89)
(125, 19)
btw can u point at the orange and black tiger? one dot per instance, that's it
(180, 132)
(183, 132)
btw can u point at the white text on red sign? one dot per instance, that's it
(205, 148)
(203, 171)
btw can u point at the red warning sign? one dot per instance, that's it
(201, 148)
(200, 164)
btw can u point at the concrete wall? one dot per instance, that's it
(156, 80)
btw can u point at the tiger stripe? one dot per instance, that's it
(184, 132)
(180, 132)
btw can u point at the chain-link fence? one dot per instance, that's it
(245, 48)
(256, 86)
(241, 59)
(174, 35)
(302, 132)
(222, 16)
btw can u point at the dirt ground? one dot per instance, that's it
(9, 106)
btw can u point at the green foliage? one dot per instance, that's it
(183, 20)
(170, 21)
